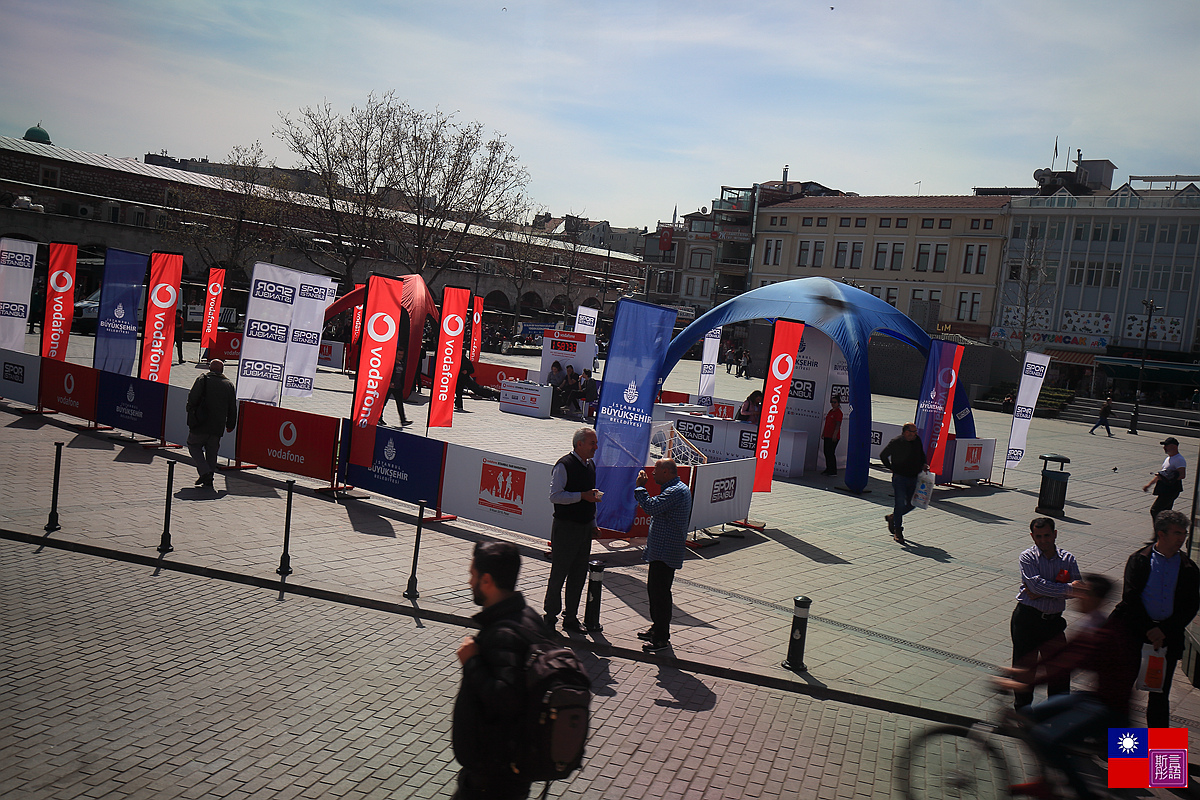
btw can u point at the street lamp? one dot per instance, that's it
(1137, 395)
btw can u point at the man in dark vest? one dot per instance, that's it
(573, 493)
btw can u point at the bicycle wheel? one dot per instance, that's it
(946, 763)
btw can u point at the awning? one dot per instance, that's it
(1156, 371)
(1072, 357)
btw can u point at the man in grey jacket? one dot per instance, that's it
(211, 410)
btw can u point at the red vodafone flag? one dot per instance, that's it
(476, 328)
(159, 337)
(775, 397)
(212, 306)
(60, 301)
(356, 327)
(449, 356)
(378, 354)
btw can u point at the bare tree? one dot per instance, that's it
(1030, 290)
(526, 253)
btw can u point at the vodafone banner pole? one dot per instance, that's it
(935, 404)
(60, 301)
(775, 397)
(158, 338)
(448, 357)
(212, 307)
(476, 328)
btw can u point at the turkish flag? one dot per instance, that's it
(448, 356)
(775, 396)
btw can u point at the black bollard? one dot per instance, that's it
(164, 546)
(591, 611)
(52, 521)
(285, 560)
(411, 592)
(795, 655)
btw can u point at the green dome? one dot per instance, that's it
(37, 134)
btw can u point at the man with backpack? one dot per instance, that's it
(522, 710)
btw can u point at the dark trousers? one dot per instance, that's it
(203, 449)
(1158, 704)
(1161, 503)
(399, 404)
(475, 787)
(830, 454)
(1102, 421)
(903, 487)
(658, 589)
(570, 550)
(1033, 637)
(179, 345)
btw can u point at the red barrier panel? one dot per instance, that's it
(666, 396)
(228, 347)
(492, 374)
(287, 440)
(70, 388)
(641, 521)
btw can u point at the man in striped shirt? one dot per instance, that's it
(1048, 574)
(670, 511)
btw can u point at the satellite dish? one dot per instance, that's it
(1041, 175)
(704, 209)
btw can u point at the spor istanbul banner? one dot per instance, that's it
(377, 356)
(60, 301)
(585, 319)
(776, 387)
(212, 306)
(1032, 375)
(273, 293)
(116, 319)
(17, 259)
(448, 356)
(304, 343)
(934, 403)
(159, 336)
(641, 334)
(708, 367)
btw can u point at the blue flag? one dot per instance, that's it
(117, 317)
(641, 334)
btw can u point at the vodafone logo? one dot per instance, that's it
(453, 325)
(61, 281)
(475, 318)
(235, 343)
(389, 330)
(214, 288)
(287, 434)
(946, 378)
(156, 295)
(781, 367)
(69, 383)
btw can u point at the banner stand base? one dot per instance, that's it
(746, 523)
(38, 410)
(695, 541)
(92, 426)
(335, 488)
(442, 517)
(237, 465)
(161, 444)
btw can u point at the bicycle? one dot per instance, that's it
(952, 761)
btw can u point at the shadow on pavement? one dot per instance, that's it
(30, 422)
(801, 547)
(598, 670)
(200, 493)
(973, 514)
(690, 693)
(83, 441)
(242, 485)
(631, 591)
(926, 551)
(367, 519)
(135, 454)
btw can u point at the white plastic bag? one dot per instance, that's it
(1151, 674)
(924, 492)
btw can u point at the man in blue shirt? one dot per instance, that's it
(670, 511)
(1048, 574)
(1160, 597)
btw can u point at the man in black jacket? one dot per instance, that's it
(905, 457)
(211, 409)
(493, 674)
(573, 493)
(1160, 597)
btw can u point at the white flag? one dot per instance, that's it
(708, 367)
(17, 258)
(1032, 375)
(273, 292)
(304, 339)
(585, 319)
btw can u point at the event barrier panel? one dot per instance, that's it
(69, 388)
(131, 404)
(640, 528)
(19, 376)
(228, 346)
(175, 429)
(492, 374)
(288, 440)
(332, 355)
(404, 466)
(511, 493)
(721, 492)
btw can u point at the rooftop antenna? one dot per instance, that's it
(918, 185)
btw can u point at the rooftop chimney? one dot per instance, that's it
(785, 169)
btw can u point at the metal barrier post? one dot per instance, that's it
(411, 592)
(285, 560)
(591, 611)
(52, 521)
(795, 655)
(164, 546)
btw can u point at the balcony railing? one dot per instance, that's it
(1111, 201)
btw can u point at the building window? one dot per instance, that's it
(806, 222)
(1145, 232)
(114, 214)
(700, 225)
(981, 261)
(923, 257)
(987, 224)
(1035, 231)
(818, 254)
(1081, 232)
(172, 199)
(783, 222)
(139, 217)
(1112, 274)
(1166, 234)
(1187, 234)
(1140, 276)
(772, 251)
(1160, 277)
(885, 222)
(1095, 270)
(975, 224)
(701, 259)
(691, 287)
(666, 281)
(968, 259)
(1075, 274)
(902, 222)
(940, 253)
(897, 256)
(844, 222)
(1049, 272)
(802, 260)
(1018, 231)
(1014, 270)
(968, 306)
(1119, 231)
(774, 221)
(704, 287)
(943, 223)
(48, 177)
(893, 295)
(926, 223)
(1181, 281)
(877, 291)
(1056, 230)
(822, 222)
(935, 295)
(881, 251)
(856, 255)
(843, 255)
(860, 222)
(917, 294)
(1099, 231)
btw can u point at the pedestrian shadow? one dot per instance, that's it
(631, 590)
(368, 520)
(927, 551)
(973, 514)
(801, 547)
(597, 669)
(83, 441)
(200, 493)
(240, 485)
(688, 691)
(134, 454)
(29, 422)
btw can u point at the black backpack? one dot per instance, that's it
(552, 727)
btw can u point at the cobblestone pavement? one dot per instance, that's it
(922, 625)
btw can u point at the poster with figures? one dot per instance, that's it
(1162, 329)
(1037, 318)
(1094, 322)
(813, 381)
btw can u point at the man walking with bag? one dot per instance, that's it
(1168, 481)
(211, 409)
(905, 457)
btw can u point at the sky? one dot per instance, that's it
(626, 111)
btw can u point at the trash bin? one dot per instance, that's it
(1053, 494)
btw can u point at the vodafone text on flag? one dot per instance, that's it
(448, 356)
(158, 337)
(212, 306)
(60, 301)
(377, 354)
(775, 397)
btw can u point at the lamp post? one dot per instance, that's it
(1137, 395)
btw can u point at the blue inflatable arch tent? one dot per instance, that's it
(848, 316)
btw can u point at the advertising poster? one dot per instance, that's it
(934, 403)
(69, 388)
(585, 319)
(722, 492)
(19, 373)
(60, 301)
(776, 385)
(402, 466)
(448, 356)
(287, 440)
(273, 292)
(117, 318)
(158, 338)
(708, 367)
(315, 294)
(1033, 372)
(131, 404)
(510, 493)
(566, 347)
(17, 260)
(212, 306)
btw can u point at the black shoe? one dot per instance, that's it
(201, 480)
(646, 635)
(572, 624)
(550, 620)
(593, 628)
(656, 647)
(891, 524)
(899, 536)
(208, 482)
(404, 423)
